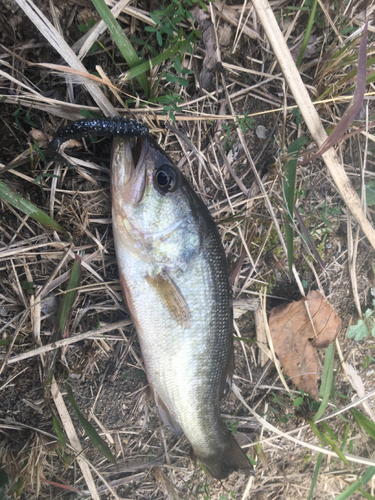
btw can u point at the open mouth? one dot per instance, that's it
(127, 156)
(134, 152)
(137, 146)
(128, 169)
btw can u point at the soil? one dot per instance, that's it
(106, 372)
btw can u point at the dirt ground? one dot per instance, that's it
(104, 368)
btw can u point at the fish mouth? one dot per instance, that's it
(133, 163)
(129, 168)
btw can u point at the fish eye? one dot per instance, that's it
(165, 179)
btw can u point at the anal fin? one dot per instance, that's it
(165, 414)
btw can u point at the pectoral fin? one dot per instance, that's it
(171, 296)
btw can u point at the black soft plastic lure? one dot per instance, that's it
(102, 127)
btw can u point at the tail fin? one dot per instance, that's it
(232, 459)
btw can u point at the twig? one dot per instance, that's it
(63, 342)
(10, 347)
(319, 449)
(59, 44)
(73, 438)
(310, 115)
(351, 264)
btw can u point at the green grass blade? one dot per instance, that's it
(370, 193)
(365, 494)
(345, 438)
(96, 440)
(364, 422)
(64, 458)
(336, 449)
(289, 243)
(64, 313)
(315, 476)
(357, 484)
(316, 431)
(160, 58)
(63, 320)
(122, 41)
(305, 233)
(289, 183)
(308, 32)
(327, 377)
(28, 208)
(17, 488)
(59, 432)
(243, 339)
(3, 485)
(350, 75)
(329, 431)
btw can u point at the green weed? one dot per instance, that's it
(25, 116)
(168, 19)
(309, 6)
(364, 326)
(90, 430)
(297, 115)
(232, 426)
(84, 28)
(368, 360)
(3, 484)
(246, 123)
(29, 208)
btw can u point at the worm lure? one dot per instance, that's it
(102, 127)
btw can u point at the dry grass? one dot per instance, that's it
(241, 184)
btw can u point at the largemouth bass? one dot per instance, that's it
(174, 277)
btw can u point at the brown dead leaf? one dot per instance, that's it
(39, 136)
(209, 39)
(295, 340)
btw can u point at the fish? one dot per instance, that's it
(175, 281)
